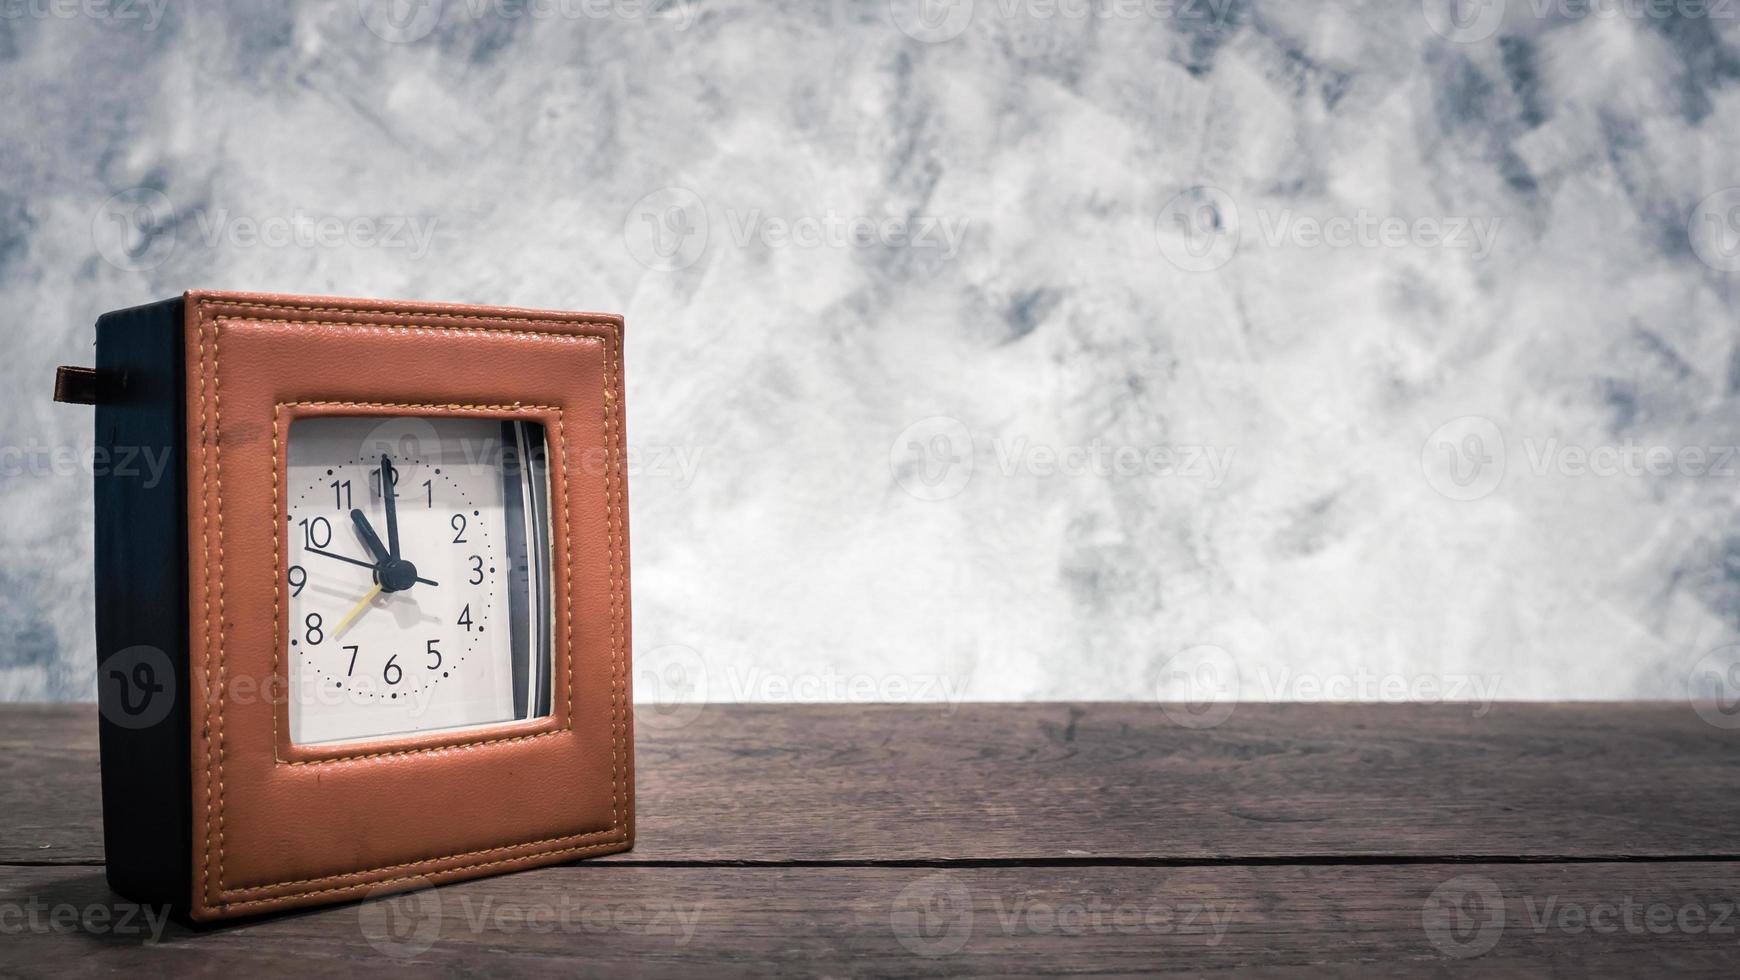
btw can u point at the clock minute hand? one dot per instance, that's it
(389, 493)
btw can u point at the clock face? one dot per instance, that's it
(416, 570)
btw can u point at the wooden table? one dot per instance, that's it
(1565, 839)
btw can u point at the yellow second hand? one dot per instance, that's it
(356, 611)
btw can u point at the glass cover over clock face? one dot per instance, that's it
(417, 575)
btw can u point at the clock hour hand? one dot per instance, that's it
(370, 538)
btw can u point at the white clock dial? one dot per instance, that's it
(413, 555)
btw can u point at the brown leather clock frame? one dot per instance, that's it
(271, 825)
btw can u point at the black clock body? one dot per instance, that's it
(142, 603)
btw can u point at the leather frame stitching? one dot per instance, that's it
(608, 845)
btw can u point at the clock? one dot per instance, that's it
(362, 598)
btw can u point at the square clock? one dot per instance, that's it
(361, 596)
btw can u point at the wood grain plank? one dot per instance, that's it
(600, 920)
(858, 783)
(50, 792)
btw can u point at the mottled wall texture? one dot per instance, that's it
(980, 349)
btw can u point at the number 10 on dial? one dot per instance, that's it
(416, 574)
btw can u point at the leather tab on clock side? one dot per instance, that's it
(82, 385)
